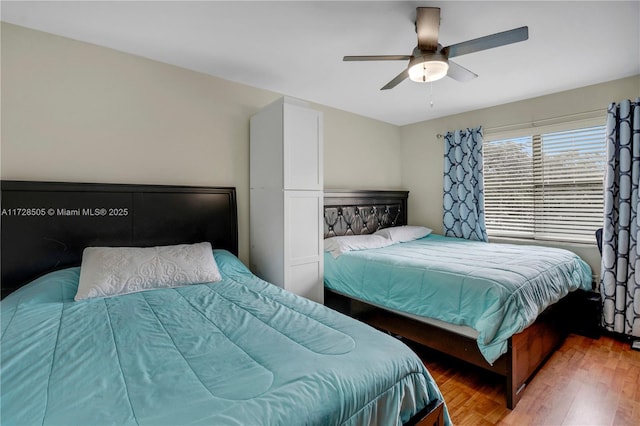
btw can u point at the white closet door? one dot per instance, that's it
(303, 151)
(304, 262)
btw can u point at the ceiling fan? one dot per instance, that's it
(429, 61)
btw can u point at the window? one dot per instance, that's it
(547, 186)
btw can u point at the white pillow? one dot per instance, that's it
(339, 245)
(111, 271)
(402, 234)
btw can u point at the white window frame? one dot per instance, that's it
(531, 131)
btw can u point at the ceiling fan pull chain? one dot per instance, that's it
(431, 100)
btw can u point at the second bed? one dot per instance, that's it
(489, 304)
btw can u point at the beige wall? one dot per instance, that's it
(423, 153)
(360, 153)
(73, 111)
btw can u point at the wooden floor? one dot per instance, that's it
(585, 382)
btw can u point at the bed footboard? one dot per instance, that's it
(529, 349)
(431, 415)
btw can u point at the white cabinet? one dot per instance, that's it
(286, 197)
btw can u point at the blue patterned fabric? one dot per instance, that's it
(464, 185)
(620, 277)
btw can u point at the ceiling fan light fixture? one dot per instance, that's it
(428, 70)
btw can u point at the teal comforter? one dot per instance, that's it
(236, 352)
(496, 289)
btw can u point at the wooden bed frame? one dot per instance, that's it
(47, 225)
(349, 212)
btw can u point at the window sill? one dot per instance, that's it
(562, 244)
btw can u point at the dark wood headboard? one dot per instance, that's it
(47, 225)
(357, 212)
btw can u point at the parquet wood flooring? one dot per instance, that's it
(585, 382)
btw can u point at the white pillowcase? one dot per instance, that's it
(339, 245)
(402, 234)
(112, 271)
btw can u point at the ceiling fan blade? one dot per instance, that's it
(460, 73)
(488, 42)
(397, 80)
(428, 27)
(377, 58)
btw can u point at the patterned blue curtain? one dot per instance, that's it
(620, 277)
(464, 185)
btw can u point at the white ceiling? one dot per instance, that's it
(296, 48)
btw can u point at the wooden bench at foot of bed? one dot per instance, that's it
(527, 350)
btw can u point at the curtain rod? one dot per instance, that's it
(537, 122)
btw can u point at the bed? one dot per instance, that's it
(235, 351)
(498, 306)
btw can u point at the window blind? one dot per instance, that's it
(546, 186)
